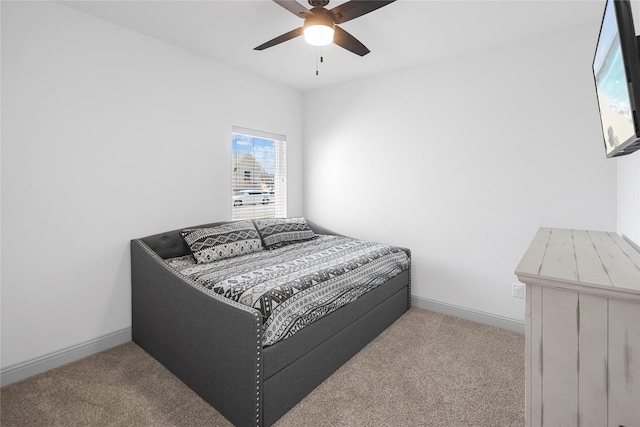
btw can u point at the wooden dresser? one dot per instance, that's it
(582, 329)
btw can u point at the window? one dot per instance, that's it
(258, 182)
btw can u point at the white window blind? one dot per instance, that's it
(259, 174)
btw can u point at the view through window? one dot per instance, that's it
(258, 182)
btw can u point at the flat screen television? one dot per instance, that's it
(616, 69)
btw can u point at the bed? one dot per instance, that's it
(223, 343)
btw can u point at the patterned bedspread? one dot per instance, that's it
(295, 285)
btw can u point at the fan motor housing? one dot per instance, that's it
(318, 3)
(319, 16)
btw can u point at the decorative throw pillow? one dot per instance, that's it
(224, 241)
(278, 232)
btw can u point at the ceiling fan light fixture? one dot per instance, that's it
(318, 35)
(318, 28)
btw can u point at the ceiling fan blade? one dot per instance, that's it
(347, 41)
(280, 39)
(293, 7)
(355, 8)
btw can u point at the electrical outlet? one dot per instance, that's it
(517, 290)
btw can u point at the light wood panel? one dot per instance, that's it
(532, 261)
(592, 360)
(534, 367)
(559, 363)
(624, 363)
(619, 266)
(634, 256)
(559, 259)
(590, 267)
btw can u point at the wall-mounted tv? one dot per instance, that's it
(616, 69)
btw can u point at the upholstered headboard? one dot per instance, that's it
(171, 244)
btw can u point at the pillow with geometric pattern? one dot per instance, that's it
(223, 241)
(279, 232)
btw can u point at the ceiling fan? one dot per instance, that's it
(320, 25)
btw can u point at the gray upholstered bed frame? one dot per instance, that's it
(214, 344)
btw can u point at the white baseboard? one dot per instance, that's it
(21, 371)
(468, 314)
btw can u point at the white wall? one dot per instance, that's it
(463, 160)
(109, 135)
(629, 196)
(629, 178)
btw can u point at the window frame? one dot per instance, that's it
(276, 186)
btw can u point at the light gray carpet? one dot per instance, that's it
(427, 369)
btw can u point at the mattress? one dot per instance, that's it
(295, 285)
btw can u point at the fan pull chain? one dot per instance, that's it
(321, 59)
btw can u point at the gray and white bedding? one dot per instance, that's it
(295, 285)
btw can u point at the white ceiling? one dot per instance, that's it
(399, 35)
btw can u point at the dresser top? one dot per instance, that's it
(581, 260)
